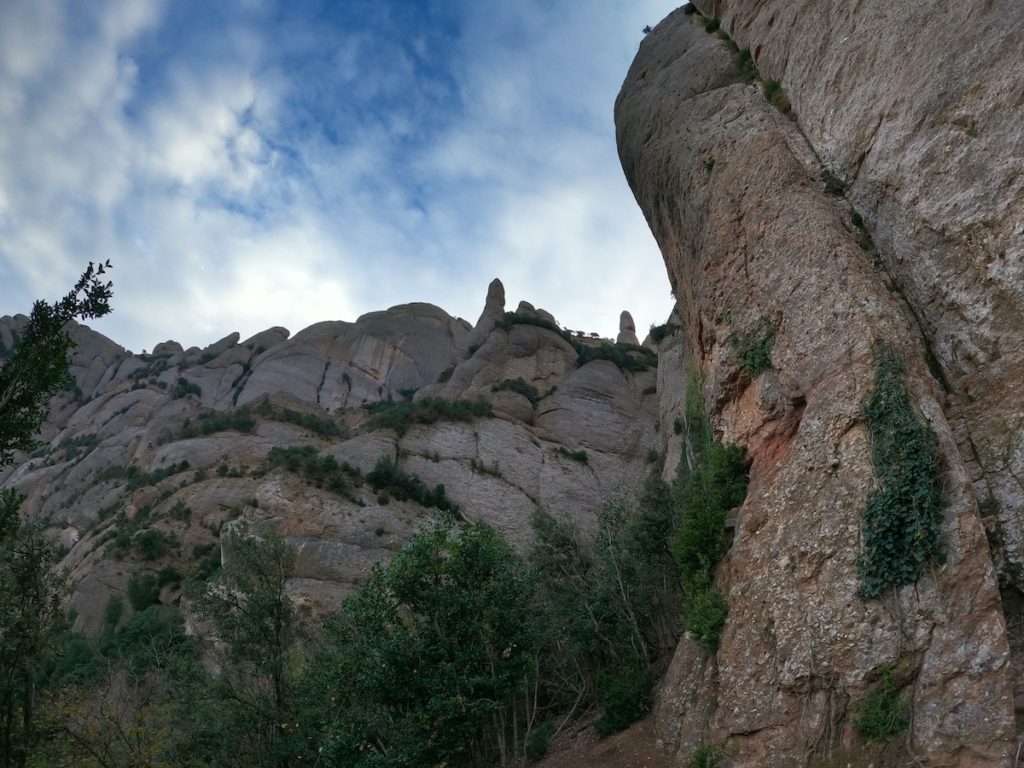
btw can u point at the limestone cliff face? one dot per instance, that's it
(732, 190)
(113, 465)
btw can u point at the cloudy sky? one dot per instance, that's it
(255, 163)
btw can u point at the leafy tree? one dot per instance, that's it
(428, 664)
(38, 367)
(252, 615)
(31, 619)
(31, 591)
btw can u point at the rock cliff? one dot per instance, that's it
(875, 201)
(151, 455)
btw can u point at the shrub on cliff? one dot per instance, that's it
(903, 520)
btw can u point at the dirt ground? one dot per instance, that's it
(633, 748)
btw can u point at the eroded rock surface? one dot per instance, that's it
(751, 239)
(176, 444)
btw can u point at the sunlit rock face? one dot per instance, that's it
(920, 250)
(177, 443)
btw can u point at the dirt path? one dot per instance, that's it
(633, 748)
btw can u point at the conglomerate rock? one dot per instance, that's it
(754, 245)
(175, 445)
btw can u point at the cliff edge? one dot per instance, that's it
(790, 226)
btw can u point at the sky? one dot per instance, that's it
(252, 163)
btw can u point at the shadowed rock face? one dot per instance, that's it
(114, 454)
(751, 240)
(918, 108)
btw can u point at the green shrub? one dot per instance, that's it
(113, 611)
(402, 416)
(833, 184)
(520, 386)
(628, 357)
(428, 659)
(623, 697)
(754, 347)
(209, 422)
(884, 713)
(320, 425)
(661, 332)
(154, 544)
(208, 556)
(539, 741)
(704, 616)
(689, 9)
(707, 757)
(386, 477)
(711, 25)
(903, 520)
(776, 96)
(77, 663)
(322, 471)
(168, 575)
(184, 388)
(179, 511)
(446, 374)
(143, 590)
(705, 493)
(580, 455)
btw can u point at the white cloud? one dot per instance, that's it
(225, 205)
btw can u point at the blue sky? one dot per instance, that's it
(249, 164)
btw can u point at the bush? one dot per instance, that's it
(154, 544)
(402, 416)
(520, 386)
(707, 757)
(706, 492)
(776, 96)
(322, 471)
(711, 25)
(539, 740)
(902, 525)
(628, 357)
(320, 425)
(705, 615)
(754, 347)
(143, 591)
(623, 697)
(580, 455)
(209, 422)
(388, 478)
(427, 660)
(833, 184)
(883, 713)
(745, 64)
(184, 388)
(113, 611)
(661, 332)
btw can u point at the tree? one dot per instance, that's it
(429, 663)
(31, 591)
(255, 620)
(31, 620)
(38, 366)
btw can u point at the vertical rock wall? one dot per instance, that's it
(752, 240)
(919, 108)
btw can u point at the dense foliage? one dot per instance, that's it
(903, 519)
(402, 416)
(38, 366)
(428, 663)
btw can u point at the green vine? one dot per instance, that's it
(754, 347)
(903, 519)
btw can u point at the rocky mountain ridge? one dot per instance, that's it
(150, 456)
